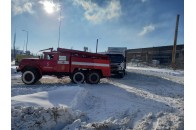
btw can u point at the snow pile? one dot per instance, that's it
(51, 97)
(108, 106)
(125, 121)
(159, 121)
(25, 118)
(170, 121)
(85, 100)
(14, 74)
(111, 124)
(66, 119)
(13, 69)
(13, 63)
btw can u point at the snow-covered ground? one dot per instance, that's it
(146, 98)
(168, 74)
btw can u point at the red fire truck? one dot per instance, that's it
(80, 66)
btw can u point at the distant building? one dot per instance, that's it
(162, 53)
(16, 53)
(28, 53)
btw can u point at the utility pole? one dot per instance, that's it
(59, 25)
(14, 45)
(27, 38)
(175, 41)
(23, 47)
(96, 45)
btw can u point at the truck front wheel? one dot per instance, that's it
(29, 77)
(78, 77)
(93, 77)
(122, 74)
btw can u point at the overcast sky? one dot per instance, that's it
(116, 23)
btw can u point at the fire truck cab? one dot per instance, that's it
(78, 65)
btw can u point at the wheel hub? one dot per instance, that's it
(28, 77)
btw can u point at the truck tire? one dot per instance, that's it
(93, 77)
(78, 77)
(121, 75)
(29, 77)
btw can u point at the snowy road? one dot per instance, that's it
(146, 98)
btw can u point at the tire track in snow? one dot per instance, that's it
(175, 103)
(177, 78)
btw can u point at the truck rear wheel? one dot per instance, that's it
(29, 77)
(78, 77)
(93, 77)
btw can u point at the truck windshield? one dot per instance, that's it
(116, 58)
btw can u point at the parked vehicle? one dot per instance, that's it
(117, 60)
(78, 65)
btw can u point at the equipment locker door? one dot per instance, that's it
(63, 63)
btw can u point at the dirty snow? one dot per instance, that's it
(146, 98)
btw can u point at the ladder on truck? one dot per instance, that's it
(82, 54)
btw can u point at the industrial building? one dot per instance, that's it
(163, 54)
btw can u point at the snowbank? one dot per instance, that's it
(24, 118)
(13, 63)
(160, 121)
(14, 74)
(64, 118)
(60, 96)
(13, 69)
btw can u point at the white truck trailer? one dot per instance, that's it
(117, 60)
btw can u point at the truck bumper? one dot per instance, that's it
(18, 69)
(117, 71)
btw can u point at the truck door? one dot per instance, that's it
(63, 62)
(49, 62)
